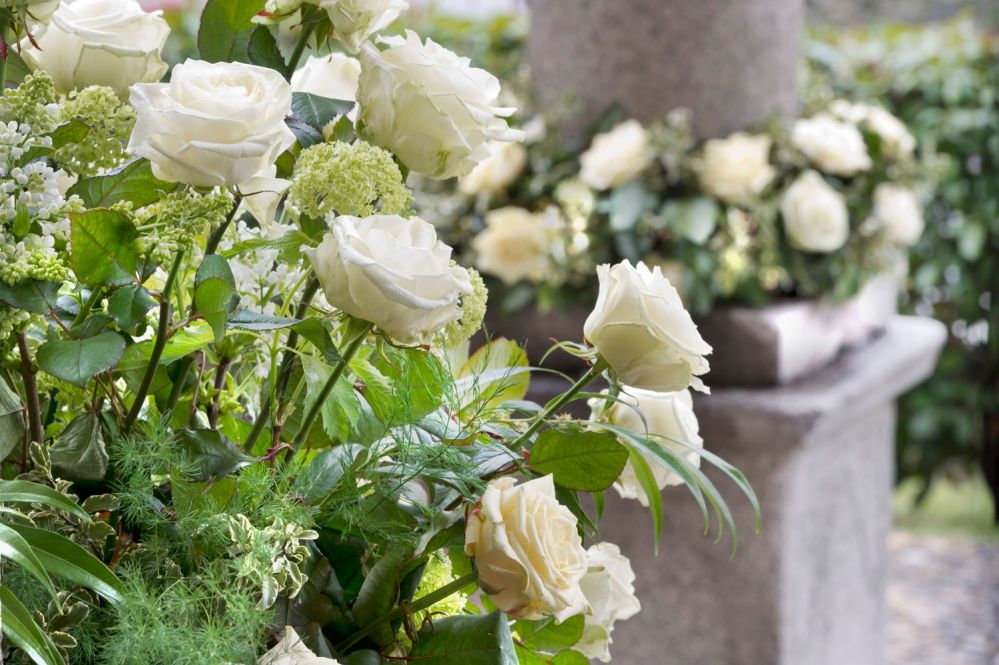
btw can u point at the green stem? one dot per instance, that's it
(216, 237)
(416, 606)
(348, 352)
(158, 346)
(179, 382)
(296, 55)
(95, 297)
(556, 404)
(37, 434)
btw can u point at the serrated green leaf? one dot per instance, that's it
(224, 35)
(316, 111)
(78, 453)
(263, 50)
(579, 459)
(466, 640)
(104, 248)
(129, 304)
(134, 182)
(31, 295)
(21, 629)
(215, 293)
(79, 360)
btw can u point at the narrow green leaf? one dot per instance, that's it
(466, 640)
(379, 591)
(78, 453)
(25, 491)
(104, 248)
(134, 182)
(245, 319)
(21, 629)
(79, 360)
(224, 35)
(31, 295)
(15, 548)
(579, 459)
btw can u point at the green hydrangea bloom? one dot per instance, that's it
(174, 222)
(110, 122)
(348, 179)
(473, 311)
(31, 103)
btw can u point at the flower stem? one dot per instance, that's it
(296, 55)
(30, 390)
(216, 237)
(556, 404)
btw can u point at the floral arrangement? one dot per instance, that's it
(239, 417)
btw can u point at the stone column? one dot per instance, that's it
(732, 62)
(810, 588)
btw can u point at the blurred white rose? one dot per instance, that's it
(617, 156)
(527, 550)
(429, 107)
(833, 146)
(100, 42)
(815, 214)
(736, 168)
(640, 327)
(896, 141)
(392, 272)
(214, 124)
(498, 171)
(334, 76)
(514, 245)
(853, 113)
(609, 587)
(898, 210)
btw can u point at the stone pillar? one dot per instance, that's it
(810, 588)
(732, 62)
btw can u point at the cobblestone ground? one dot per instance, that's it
(943, 598)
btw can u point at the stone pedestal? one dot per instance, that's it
(733, 63)
(809, 589)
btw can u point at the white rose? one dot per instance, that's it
(38, 15)
(513, 246)
(609, 587)
(292, 651)
(355, 20)
(899, 211)
(896, 141)
(851, 112)
(640, 327)
(736, 168)
(616, 157)
(100, 42)
(213, 124)
(527, 550)
(334, 76)
(815, 214)
(496, 172)
(392, 272)
(834, 146)
(666, 416)
(429, 107)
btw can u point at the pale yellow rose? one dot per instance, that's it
(833, 146)
(616, 157)
(737, 168)
(514, 245)
(815, 215)
(898, 210)
(496, 172)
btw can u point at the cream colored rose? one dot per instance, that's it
(527, 550)
(334, 76)
(430, 108)
(292, 651)
(831, 145)
(609, 587)
(616, 157)
(213, 124)
(640, 327)
(896, 141)
(666, 416)
(737, 168)
(815, 214)
(392, 272)
(898, 210)
(851, 112)
(496, 172)
(100, 42)
(514, 245)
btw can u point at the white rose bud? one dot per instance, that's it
(514, 246)
(392, 272)
(640, 327)
(609, 587)
(896, 141)
(899, 211)
(834, 146)
(429, 107)
(527, 550)
(669, 415)
(334, 76)
(737, 168)
(354, 21)
(213, 124)
(497, 171)
(616, 157)
(100, 42)
(815, 214)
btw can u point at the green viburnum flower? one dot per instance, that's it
(473, 311)
(110, 122)
(270, 558)
(175, 221)
(32, 103)
(355, 179)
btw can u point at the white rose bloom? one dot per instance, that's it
(292, 651)
(899, 211)
(100, 42)
(355, 20)
(334, 76)
(669, 415)
(896, 141)
(498, 171)
(834, 146)
(392, 272)
(38, 15)
(640, 327)
(514, 245)
(736, 168)
(609, 587)
(214, 124)
(815, 214)
(616, 157)
(429, 107)
(849, 111)
(527, 550)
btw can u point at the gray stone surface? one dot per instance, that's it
(733, 63)
(810, 588)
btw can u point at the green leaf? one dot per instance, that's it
(341, 411)
(21, 629)
(224, 35)
(195, 336)
(694, 219)
(466, 640)
(316, 111)
(104, 249)
(134, 182)
(214, 455)
(15, 548)
(25, 491)
(418, 375)
(568, 657)
(79, 360)
(129, 305)
(78, 453)
(579, 459)
(324, 471)
(73, 131)
(306, 135)
(263, 50)
(215, 293)
(245, 319)
(31, 295)
(546, 635)
(491, 376)
(11, 420)
(628, 203)
(65, 559)
(378, 593)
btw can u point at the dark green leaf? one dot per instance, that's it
(321, 475)
(306, 134)
(78, 453)
(129, 305)
(11, 420)
(247, 320)
(215, 293)
(79, 360)
(24, 491)
(21, 629)
(263, 50)
(379, 591)
(224, 35)
(73, 131)
(363, 657)
(214, 455)
(13, 547)
(579, 459)
(30, 295)
(466, 640)
(316, 111)
(104, 247)
(133, 182)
